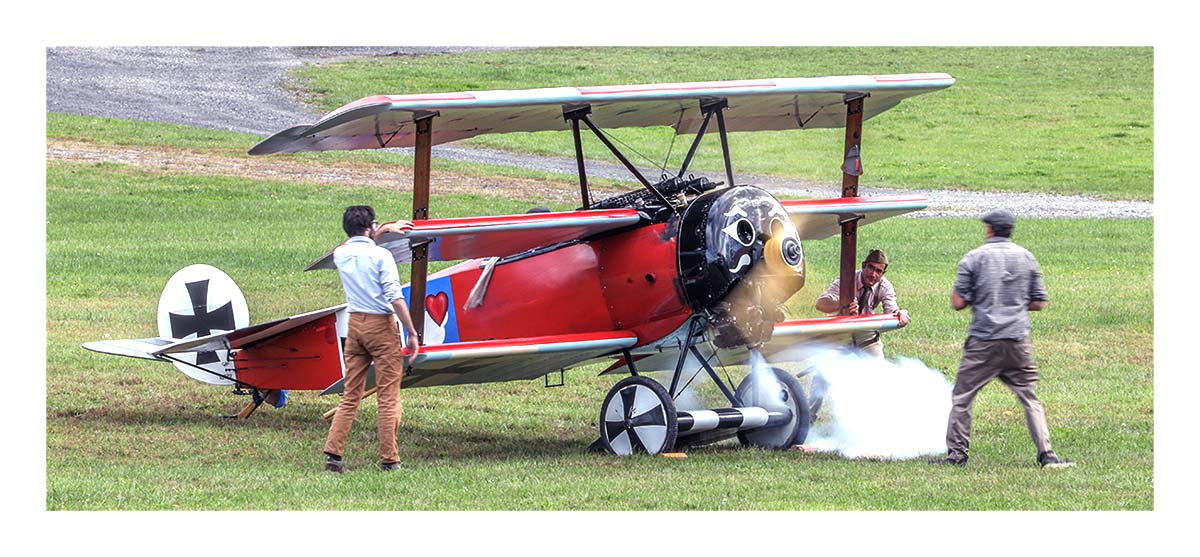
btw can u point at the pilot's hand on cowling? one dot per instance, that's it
(902, 314)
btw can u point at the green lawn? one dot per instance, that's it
(124, 434)
(1065, 120)
(130, 434)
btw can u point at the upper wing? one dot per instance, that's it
(791, 341)
(821, 218)
(498, 236)
(507, 359)
(767, 104)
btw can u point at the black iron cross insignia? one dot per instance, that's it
(202, 322)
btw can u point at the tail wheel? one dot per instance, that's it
(775, 391)
(638, 415)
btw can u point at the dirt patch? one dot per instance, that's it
(166, 160)
(170, 161)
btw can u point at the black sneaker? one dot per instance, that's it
(948, 461)
(389, 466)
(1051, 460)
(335, 466)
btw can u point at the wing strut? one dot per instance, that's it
(420, 254)
(577, 113)
(719, 105)
(696, 142)
(851, 168)
(570, 114)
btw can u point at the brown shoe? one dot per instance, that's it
(335, 466)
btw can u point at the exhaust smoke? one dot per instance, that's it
(875, 408)
(766, 392)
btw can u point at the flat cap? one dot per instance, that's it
(999, 217)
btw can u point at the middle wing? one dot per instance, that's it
(496, 236)
(821, 218)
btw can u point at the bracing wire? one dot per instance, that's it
(723, 367)
(652, 162)
(670, 147)
(689, 381)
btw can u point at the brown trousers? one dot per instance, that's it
(372, 337)
(984, 360)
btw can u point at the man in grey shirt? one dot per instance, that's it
(1002, 283)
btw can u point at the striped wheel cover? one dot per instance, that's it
(635, 419)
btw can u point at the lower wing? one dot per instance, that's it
(792, 341)
(491, 361)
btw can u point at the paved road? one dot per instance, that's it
(243, 90)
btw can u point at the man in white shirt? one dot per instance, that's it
(871, 290)
(374, 300)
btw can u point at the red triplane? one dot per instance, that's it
(674, 277)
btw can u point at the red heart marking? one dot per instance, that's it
(437, 305)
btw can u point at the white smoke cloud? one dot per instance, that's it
(876, 408)
(765, 391)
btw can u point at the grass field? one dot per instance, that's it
(127, 434)
(124, 434)
(1066, 120)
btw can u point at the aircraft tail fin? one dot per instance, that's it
(197, 301)
(204, 330)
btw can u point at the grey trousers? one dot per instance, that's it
(984, 360)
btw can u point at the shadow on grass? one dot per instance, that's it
(448, 446)
(421, 439)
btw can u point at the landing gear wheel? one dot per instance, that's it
(782, 391)
(638, 415)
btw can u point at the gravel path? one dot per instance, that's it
(243, 90)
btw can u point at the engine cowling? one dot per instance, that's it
(740, 259)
